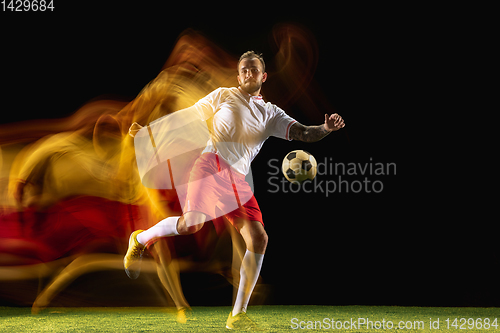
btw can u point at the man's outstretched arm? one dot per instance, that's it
(315, 133)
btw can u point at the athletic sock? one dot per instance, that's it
(164, 228)
(249, 273)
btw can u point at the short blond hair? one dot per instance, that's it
(251, 55)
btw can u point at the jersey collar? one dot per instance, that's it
(244, 93)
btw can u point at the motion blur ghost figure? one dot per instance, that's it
(68, 164)
(85, 160)
(82, 169)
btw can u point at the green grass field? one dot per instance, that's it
(271, 318)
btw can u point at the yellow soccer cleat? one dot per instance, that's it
(241, 322)
(133, 258)
(184, 314)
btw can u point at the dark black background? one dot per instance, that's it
(405, 245)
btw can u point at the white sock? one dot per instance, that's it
(164, 228)
(249, 273)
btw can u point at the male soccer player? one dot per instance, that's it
(242, 121)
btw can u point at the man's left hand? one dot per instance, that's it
(334, 122)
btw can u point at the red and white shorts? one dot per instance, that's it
(217, 190)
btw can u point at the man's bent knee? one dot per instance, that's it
(265, 240)
(255, 236)
(190, 223)
(260, 242)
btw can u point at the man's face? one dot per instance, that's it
(250, 75)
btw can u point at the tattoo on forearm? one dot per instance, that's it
(308, 133)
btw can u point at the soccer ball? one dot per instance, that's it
(299, 165)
